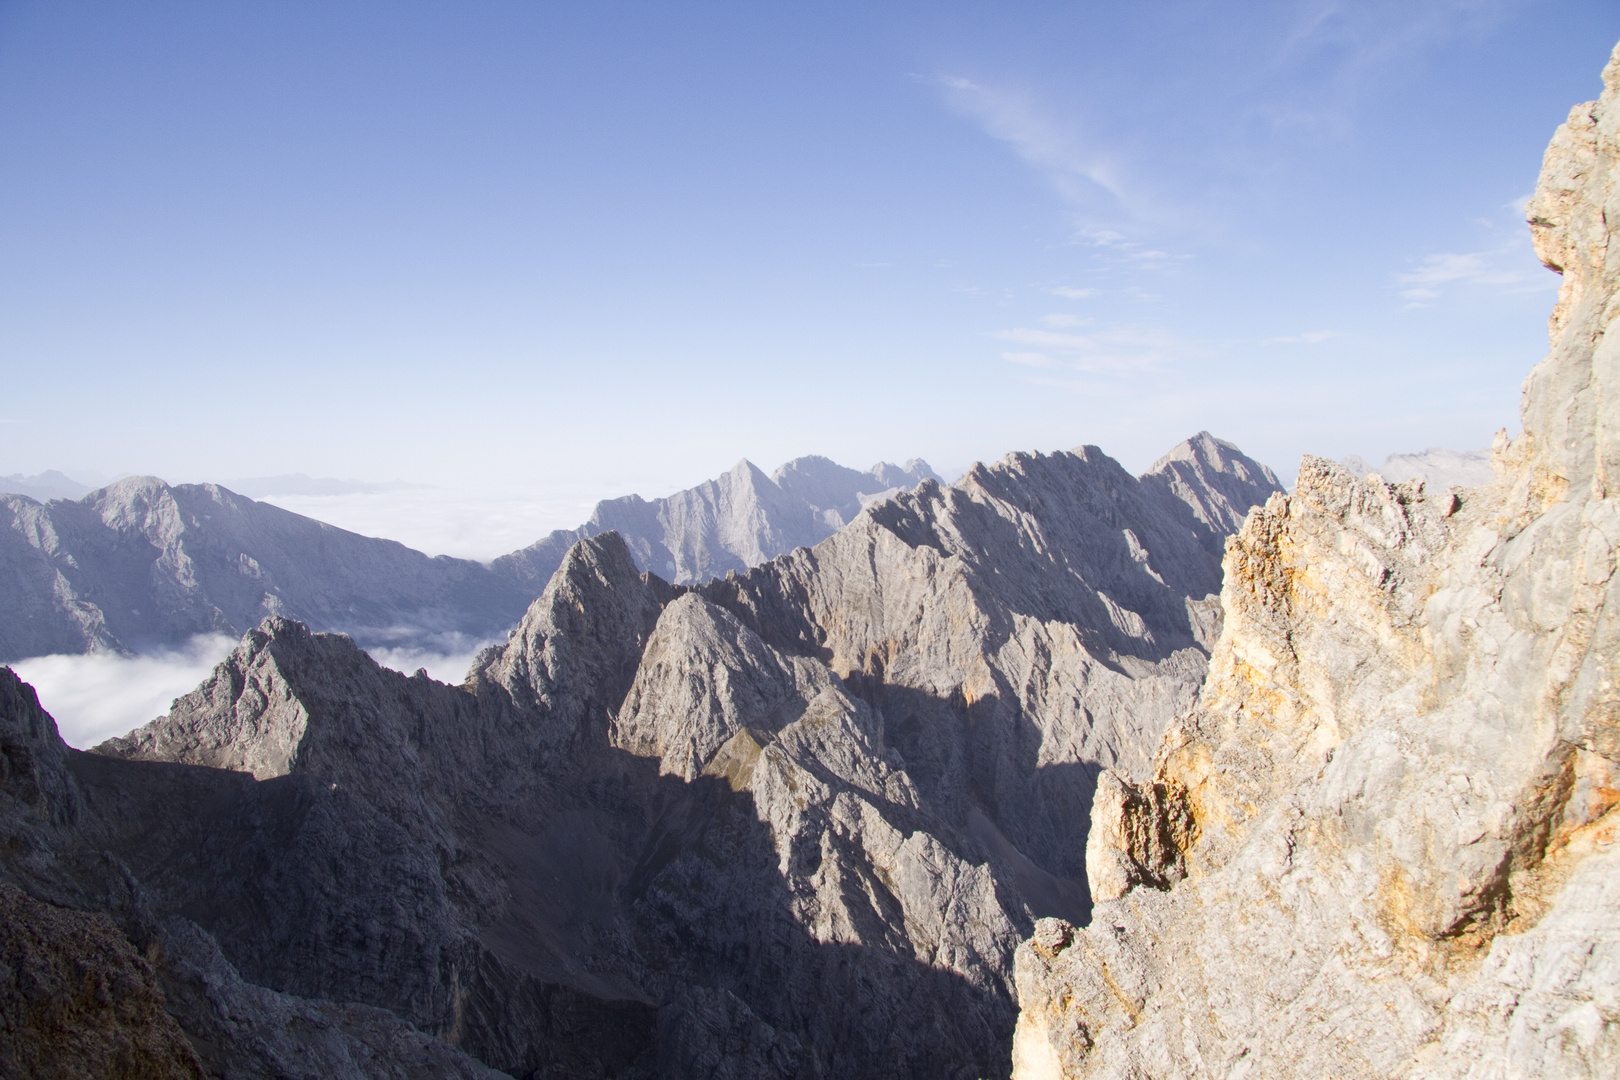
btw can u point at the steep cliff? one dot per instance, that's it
(787, 825)
(1382, 844)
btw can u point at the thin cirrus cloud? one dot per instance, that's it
(1310, 337)
(1081, 174)
(1117, 351)
(1069, 292)
(1510, 268)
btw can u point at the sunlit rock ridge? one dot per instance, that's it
(1383, 843)
(790, 823)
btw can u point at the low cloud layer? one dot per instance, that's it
(443, 521)
(447, 667)
(98, 696)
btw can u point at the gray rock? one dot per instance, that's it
(740, 520)
(142, 564)
(1382, 843)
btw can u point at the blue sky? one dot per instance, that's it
(615, 247)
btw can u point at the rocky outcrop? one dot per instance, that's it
(142, 564)
(76, 1000)
(789, 824)
(741, 519)
(1382, 843)
(1041, 618)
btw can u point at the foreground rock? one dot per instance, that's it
(789, 825)
(1383, 842)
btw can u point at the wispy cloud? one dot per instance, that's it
(1068, 292)
(1503, 269)
(1115, 351)
(1060, 319)
(1310, 337)
(1080, 171)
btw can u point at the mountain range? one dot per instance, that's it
(142, 564)
(792, 822)
(1051, 773)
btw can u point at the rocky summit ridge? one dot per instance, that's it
(791, 823)
(1383, 844)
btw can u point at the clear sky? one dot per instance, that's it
(614, 247)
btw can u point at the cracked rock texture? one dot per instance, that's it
(1384, 842)
(791, 824)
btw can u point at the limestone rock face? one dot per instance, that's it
(793, 824)
(1382, 843)
(739, 520)
(105, 976)
(142, 564)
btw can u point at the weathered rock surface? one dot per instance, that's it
(792, 824)
(1382, 844)
(107, 864)
(739, 520)
(143, 564)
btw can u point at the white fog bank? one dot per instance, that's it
(440, 521)
(101, 695)
(97, 696)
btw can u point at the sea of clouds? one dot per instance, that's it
(98, 696)
(445, 521)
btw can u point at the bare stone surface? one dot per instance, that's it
(1393, 808)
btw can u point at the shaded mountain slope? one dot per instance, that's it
(142, 564)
